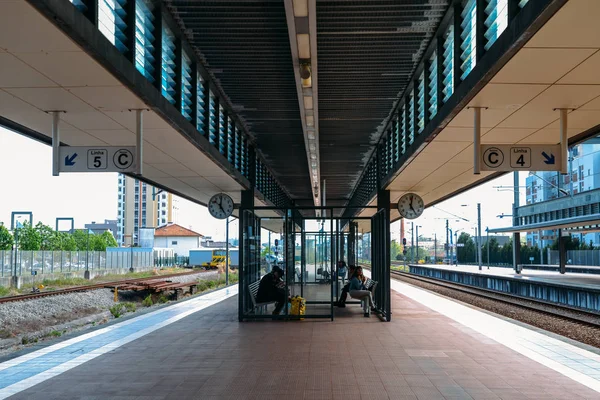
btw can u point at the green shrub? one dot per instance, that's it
(130, 307)
(211, 284)
(202, 286)
(162, 299)
(117, 310)
(147, 302)
(4, 291)
(55, 334)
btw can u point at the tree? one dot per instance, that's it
(81, 239)
(109, 239)
(28, 238)
(67, 243)
(6, 239)
(395, 250)
(465, 253)
(50, 239)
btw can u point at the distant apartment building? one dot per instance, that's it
(584, 175)
(140, 205)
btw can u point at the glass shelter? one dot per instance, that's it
(312, 241)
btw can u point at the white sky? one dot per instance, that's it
(28, 185)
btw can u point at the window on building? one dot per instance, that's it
(163, 221)
(581, 187)
(164, 196)
(174, 242)
(164, 212)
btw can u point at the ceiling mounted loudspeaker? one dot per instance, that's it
(305, 71)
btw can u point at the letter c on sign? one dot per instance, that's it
(493, 157)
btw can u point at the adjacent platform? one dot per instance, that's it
(574, 290)
(202, 352)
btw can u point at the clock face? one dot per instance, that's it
(220, 206)
(411, 206)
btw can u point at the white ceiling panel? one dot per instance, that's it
(75, 137)
(564, 96)
(505, 135)
(174, 169)
(156, 155)
(547, 66)
(117, 137)
(108, 98)
(580, 120)
(150, 119)
(15, 73)
(506, 96)
(225, 183)
(35, 35)
(51, 99)
(548, 135)
(92, 120)
(489, 118)
(152, 173)
(458, 134)
(585, 73)
(575, 25)
(529, 119)
(200, 183)
(52, 64)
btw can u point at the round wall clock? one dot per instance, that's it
(220, 206)
(411, 206)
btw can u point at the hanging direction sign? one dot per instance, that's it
(532, 157)
(97, 159)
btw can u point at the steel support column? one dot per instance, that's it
(562, 253)
(245, 233)
(384, 238)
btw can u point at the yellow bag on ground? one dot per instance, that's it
(298, 306)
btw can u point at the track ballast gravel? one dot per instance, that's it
(36, 314)
(577, 331)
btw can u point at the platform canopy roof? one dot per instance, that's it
(365, 54)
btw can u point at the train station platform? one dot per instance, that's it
(577, 279)
(433, 348)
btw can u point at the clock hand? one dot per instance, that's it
(411, 206)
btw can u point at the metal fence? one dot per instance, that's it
(578, 257)
(47, 262)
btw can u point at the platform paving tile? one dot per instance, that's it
(420, 355)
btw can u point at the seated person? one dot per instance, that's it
(346, 288)
(341, 268)
(361, 277)
(272, 288)
(358, 291)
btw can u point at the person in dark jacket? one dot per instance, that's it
(346, 288)
(272, 288)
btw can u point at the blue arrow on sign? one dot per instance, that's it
(549, 159)
(70, 161)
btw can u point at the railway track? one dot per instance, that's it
(567, 317)
(86, 288)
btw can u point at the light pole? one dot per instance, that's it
(435, 248)
(418, 226)
(479, 230)
(227, 252)
(487, 244)
(412, 242)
